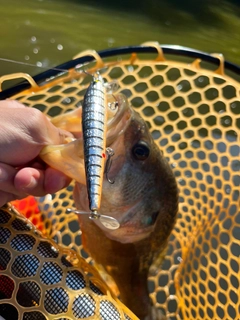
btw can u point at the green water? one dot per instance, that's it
(46, 33)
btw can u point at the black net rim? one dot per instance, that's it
(167, 49)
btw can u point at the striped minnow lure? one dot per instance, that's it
(94, 119)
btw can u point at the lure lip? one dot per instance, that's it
(107, 221)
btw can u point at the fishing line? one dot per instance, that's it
(46, 68)
(32, 65)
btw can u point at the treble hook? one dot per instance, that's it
(110, 154)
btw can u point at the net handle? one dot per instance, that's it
(166, 49)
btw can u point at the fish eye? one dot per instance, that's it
(150, 220)
(141, 150)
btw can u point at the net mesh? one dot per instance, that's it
(193, 115)
(41, 280)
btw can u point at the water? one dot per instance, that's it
(49, 32)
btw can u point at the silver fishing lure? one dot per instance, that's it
(94, 120)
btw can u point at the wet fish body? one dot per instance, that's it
(143, 199)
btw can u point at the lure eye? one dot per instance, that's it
(141, 150)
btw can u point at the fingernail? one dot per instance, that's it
(32, 184)
(3, 175)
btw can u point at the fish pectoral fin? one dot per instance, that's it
(67, 158)
(70, 121)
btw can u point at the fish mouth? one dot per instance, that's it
(69, 157)
(117, 107)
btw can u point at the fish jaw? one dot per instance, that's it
(69, 121)
(67, 158)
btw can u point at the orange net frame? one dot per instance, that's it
(193, 115)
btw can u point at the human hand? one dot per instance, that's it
(23, 133)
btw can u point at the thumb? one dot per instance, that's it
(24, 132)
(43, 132)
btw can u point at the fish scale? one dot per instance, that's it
(94, 137)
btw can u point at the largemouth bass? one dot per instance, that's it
(143, 199)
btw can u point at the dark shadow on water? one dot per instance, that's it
(183, 13)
